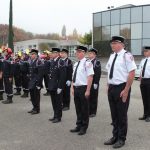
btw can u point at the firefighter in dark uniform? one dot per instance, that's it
(93, 100)
(57, 75)
(8, 75)
(69, 70)
(17, 73)
(121, 70)
(1, 76)
(82, 80)
(35, 83)
(45, 75)
(145, 84)
(24, 65)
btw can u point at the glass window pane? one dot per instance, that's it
(136, 47)
(115, 17)
(136, 31)
(97, 32)
(97, 19)
(106, 33)
(136, 14)
(115, 30)
(146, 15)
(146, 30)
(105, 18)
(125, 31)
(125, 16)
(146, 42)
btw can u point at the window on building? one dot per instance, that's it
(136, 46)
(136, 31)
(106, 33)
(115, 17)
(115, 30)
(97, 33)
(125, 16)
(146, 16)
(146, 30)
(125, 31)
(136, 14)
(97, 19)
(146, 42)
(106, 18)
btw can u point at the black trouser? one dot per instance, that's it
(18, 82)
(56, 103)
(35, 99)
(82, 107)
(118, 110)
(25, 82)
(145, 92)
(8, 87)
(93, 100)
(66, 96)
(46, 78)
(1, 86)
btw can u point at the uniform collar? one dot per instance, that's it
(121, 52)
(83, 59)
(56, 58)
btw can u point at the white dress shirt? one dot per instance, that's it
(84, 70)
(147, 68)
(123, 65)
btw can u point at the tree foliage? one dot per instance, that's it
(86, 39)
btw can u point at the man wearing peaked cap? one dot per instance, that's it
(69, 70)
(34, 51)
(93, 50)
(120, 79)
(119, 39)
(93, 100)
(81, 48)
(64, 50)
(55, 49)
(145, 83)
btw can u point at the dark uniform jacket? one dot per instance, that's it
(17, 70)
(57, 74)
(69, 69)
(97, 70)
(8, 67)
(35, 73)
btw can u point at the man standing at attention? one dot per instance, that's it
(121, 70)
(82, 81)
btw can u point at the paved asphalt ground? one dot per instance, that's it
(22, 131)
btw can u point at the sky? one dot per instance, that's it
(49, 16)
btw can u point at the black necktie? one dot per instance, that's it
(75, 72)
(112, 67)
(143, 71)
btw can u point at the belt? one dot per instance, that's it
(80, 86)
(115, 85)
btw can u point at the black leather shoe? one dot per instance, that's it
(75, 130)
(92, 115)
(82, 132)
(35, 112)
(51, 119)
(142, 118)
(30, 111)
(119, 144)
(65, 108)
(111, 141)
(147, 119)
(56, 120)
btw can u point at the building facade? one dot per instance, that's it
(132, 22)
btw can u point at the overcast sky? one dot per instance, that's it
(49, 16)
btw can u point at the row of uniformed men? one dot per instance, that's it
(29, 72)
